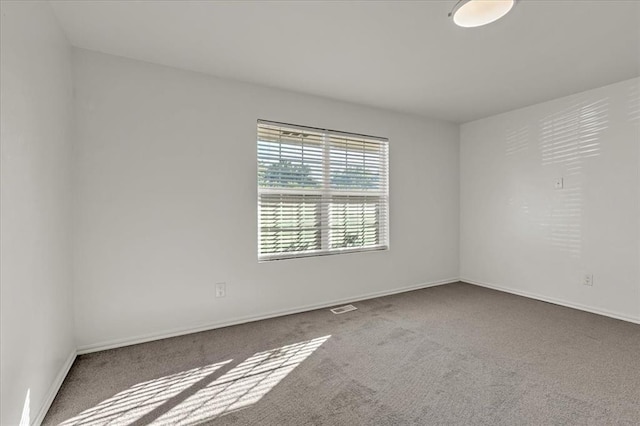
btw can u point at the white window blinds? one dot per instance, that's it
(320, 191)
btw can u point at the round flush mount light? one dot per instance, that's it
(475, 13)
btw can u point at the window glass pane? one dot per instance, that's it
(289, 159)
(289, 223)
(356, 164)
(354, 222)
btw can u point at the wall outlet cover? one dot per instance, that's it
(221, 289)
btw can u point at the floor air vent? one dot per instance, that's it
(343, 309)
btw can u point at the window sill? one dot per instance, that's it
(318, 253)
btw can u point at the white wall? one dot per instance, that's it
(520, 234)
(35, 113)
(166, 202)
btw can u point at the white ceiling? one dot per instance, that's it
(404, 56)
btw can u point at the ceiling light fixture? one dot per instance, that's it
(475, 13)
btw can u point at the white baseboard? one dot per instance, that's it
(241, 320)
(54, 388)
(555, 301)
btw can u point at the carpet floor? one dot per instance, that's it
(452, 354)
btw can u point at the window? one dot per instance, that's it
(320, 192)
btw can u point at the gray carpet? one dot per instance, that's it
(453, 354)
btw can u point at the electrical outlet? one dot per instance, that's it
(588, 280)
(221, 289)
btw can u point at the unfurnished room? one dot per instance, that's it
(319, 212)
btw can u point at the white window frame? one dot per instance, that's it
(327, 194)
